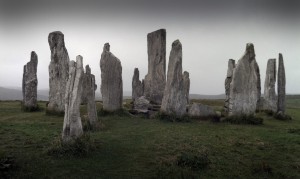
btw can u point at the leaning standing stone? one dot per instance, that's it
(155, 80)
(58, 71)
(270, 100)
(174, 100)
(281, 86)
(137, 85)
(72, 127)
(30, 83)
(244, 87)
(111, 80)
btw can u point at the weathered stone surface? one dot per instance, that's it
(141, 104)
(231, 66)
(85, 79)
(174, 100)
(270, 100)
(186, 85)
(155, 80)
(30, 82)
(197, 110)
(111, 80)
(90, 95)
(244, 87)
(58, 71)
(281, 86)
(72, 127)
(137, 85)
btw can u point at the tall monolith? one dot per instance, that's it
(72, 127)
(111, 80)
(58, 71)
(244, 87)
(174, 100)
(137, 85)
(155, 80)
(90, 96)
(30, 82)
(270, 100)
(231, 66)
(281, 86)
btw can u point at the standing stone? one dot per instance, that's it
(186, 85)
(30, 82)
(281, 86)
(85, 79)
(58, 71)
(111, 80)
(231, 66)
(174, 100)
(90, 96)
(244, 87)
(270, 100)
(72, 127)
(137, 85)
(155, 80)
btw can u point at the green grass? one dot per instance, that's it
(132, 147)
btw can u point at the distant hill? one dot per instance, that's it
(15, 93)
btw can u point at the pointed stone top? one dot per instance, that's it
(163, 31)
(136, 70)
(87, 69)
(186, 74)
(176, 43)
(56, 39)
(106, 47)
(280, 56)
(250, 51)
(79, 59)
(33, 57)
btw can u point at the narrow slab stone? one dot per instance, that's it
(137, 85)
(244, 87)
(90, 96)
(111, 80)
(58, 71)
(281, 86)
(30, 82)
(186, 85)
(174, 100)
(270, 99)
(231, 66)
(72, 127)
(155, 80)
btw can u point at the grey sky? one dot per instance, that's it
(211, 32)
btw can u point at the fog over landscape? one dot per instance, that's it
(211, 32)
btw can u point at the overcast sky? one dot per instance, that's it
(211, 32)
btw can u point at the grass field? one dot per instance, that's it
(132, 147)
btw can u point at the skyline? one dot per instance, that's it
(211, 33)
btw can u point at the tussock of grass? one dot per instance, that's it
(244, 119)
(30, 109)
(281, 116)
(79, 147)
(294, 131)
(50, 112)
(192, 161)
